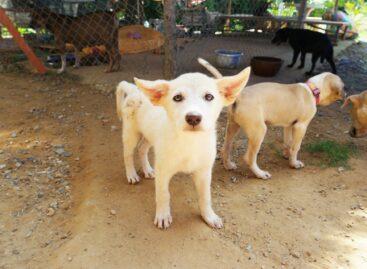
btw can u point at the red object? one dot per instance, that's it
(37, 63)
(315, 91)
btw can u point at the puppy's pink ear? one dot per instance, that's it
(353, 99)
(154, 90)
(230, 87)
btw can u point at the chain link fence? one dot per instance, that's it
(96, 32)
(82, 32)
(244, 26)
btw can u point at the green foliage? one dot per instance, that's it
(283, 8)
(22, 30)
(357, 10)
(153, 9)
(332, 153)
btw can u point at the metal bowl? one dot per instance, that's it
(228, 58)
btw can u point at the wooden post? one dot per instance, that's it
(229, 12)
(37, 63)
(170, 45)
(302, 13)
(336, 6)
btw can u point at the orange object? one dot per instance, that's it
(137, 39)
(37, 63)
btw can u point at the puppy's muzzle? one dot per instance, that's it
(193, 119)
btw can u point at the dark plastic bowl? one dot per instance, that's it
(266, 66)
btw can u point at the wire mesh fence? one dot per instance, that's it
(96, 32)
(246, 27)
(83, 32)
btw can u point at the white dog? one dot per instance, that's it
(179, 120)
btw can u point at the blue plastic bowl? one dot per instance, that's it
(228, 58)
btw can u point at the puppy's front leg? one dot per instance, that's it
(163, 218)
(143, 154)
(202, 179)
(130, 138)
(299, 131)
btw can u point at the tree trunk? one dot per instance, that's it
(170, 46)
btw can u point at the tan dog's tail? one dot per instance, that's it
(214, 71)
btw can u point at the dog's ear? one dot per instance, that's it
(230, 87)
(154, 90)
(335, 86)
(352, 100)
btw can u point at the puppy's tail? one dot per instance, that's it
(210, 68)
(128, 98)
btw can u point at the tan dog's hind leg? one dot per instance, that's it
(77, 55)
(255, 139)
(231, 132)
(143, 154)
(287, 135)
(202, 180)
(299, 131)
(130, 138)
(63, 64)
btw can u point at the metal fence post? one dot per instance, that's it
(170, 46)
(37, 63)
(302, 13)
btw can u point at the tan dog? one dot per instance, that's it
(291, 106)
(358, 112)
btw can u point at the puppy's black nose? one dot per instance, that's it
(192, 119)
(353, 132)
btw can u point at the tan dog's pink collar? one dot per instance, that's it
(315, 91)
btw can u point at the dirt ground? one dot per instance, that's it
(65, 201)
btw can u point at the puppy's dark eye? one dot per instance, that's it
(178, 98)
(208, 97)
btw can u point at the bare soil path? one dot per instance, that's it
(65, 202)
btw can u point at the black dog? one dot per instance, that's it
(305, 41)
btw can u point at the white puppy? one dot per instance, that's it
(178, 118)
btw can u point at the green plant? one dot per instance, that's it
(332, 153)
(283, 8)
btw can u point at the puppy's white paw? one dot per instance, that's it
(133, 178)
(297, 165)
(229, 165)
(163, 220)
(148, 172)
(214, 221)
(263, 174)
